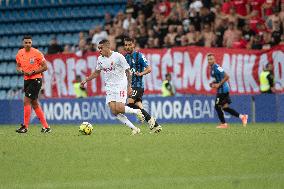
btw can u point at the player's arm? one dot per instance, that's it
(226, 78)
(144, 63)
(19, 69)
(147, 70)
(42, 68)
(93, 75)
(129, 80)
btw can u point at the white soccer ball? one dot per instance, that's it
(86, 128)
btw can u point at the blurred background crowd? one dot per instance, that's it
(247, 24)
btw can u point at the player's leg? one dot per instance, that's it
(151, 120)
(40, 115)
(118, 108)
(27, 115)
(28, 85)
(226, 108)
(218, 108)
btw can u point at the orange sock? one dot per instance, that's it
(27, 115)
(41, 117)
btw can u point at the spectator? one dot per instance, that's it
(99, 35)
(131, 8)
(242, 7)
(266, 79)
(107, 19)
(147, 8)
(80, 91)
(167, 42)
(193, 36)
(140, 21)
(274, 20)
(127, 21)
(256, 5)
(219, 32)
(248, 35)
(82, 48)
(255, 21)
(119, 37)
(208, 36)
(195, 6)
(142, 37)
(276, 35)
(226, 6)
(207, 17)
(195, 20)
(183, 41)
(171, 34)
(66, 49)
(167, 86)
(231, 35)
(179, 35)
(257, 42)
(111, 38)
(267, 7)
(266, 41)
(164, 8)
(174, 19)
(54, 47)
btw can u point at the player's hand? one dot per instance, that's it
(28, 73)
(214, 85)
(129, 90)
(138, 74)
(83, 83)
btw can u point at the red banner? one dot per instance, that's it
(188, 66)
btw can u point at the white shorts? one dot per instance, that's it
(117, 95)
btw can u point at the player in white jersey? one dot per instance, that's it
(118, 83)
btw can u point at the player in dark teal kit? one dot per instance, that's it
(222, 98)
(139, 67)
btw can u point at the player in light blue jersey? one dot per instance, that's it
(139, 67)
(222, 98)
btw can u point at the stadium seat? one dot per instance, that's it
(2, 94)
(20, 82)
(13, 83)
(3, 68)
(11, 68)
(5, 81)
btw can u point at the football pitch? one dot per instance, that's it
(181, 156)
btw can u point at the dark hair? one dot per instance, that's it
(129, 39)
(104, 41)
(27, 37)
(168, 75)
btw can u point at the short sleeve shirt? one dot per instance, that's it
(218, 73)
(113, 68)
(30, 61)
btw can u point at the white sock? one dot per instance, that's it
(130, 110)
(240, 116)
(123, 119)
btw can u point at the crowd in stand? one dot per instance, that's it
(246, 24)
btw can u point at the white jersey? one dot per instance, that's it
(113, 68)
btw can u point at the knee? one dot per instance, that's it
(34, 104)
(217, 107)
(131, 105)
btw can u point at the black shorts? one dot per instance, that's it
(137, 94)
(32, 88)
(222, 99)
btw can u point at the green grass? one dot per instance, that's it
(182, 156)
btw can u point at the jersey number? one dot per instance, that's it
(121, 93)
(134, 93)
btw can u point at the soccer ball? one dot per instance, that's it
(86, 128)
